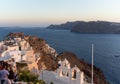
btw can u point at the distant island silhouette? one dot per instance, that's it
(93, 27)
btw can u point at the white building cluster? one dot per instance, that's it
(17, 50)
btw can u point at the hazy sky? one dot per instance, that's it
(45, 12)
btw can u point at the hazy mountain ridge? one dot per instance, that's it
(89, 27)
(65, 26)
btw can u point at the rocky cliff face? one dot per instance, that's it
(96, 27)
(48, 58)
(99, 27)
(46, 53)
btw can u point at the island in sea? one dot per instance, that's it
(93, 27)
(31, 54)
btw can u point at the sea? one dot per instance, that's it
(106, 47)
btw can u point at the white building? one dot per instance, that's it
(74, 74)
(12, 47)
(17, 39)
(16, 55)
(63, 75)
(19, 50)
(24, 45)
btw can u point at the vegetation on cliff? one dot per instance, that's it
(29, 77)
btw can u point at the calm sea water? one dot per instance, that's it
(107, 46)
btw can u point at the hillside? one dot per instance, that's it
(99, 27)
(86, 68)
(96, 27)
(40, 47)
(49, 58)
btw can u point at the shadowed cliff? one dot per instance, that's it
(93, 27)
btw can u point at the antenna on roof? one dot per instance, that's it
(92, 62)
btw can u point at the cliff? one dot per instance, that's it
(97, 27)
(46, 53)
(100, 27)
(49, 58)
(85, 67)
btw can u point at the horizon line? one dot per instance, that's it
(25, 26)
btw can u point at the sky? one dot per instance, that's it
(45, 12)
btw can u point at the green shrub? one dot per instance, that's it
(27, 76)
